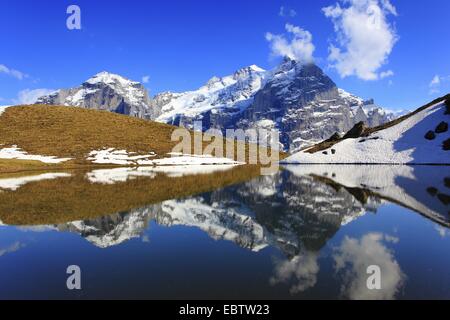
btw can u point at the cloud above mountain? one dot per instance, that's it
(437, 82)
(12, 72)
(364, 37)
(296, 44)
(287, 12)
(29, 96)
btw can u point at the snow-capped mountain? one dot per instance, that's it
(231, 95)
(305, 106)
(299, 101)
(105, 91)
(422, 137)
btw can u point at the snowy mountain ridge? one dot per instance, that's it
(105, 91)
(298, 100)
(232, 92)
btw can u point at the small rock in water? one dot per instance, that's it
(432, 191)
(333, 151)
(442, 127)
(430, 135)
(444, 198)
(446, 145)
(447, 182)
(325, 153)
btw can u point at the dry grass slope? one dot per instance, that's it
(74, 132)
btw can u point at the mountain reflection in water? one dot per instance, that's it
(297, 212)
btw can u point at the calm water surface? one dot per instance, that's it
(306, 232)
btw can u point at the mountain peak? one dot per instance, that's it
(110, 78)
(255, 68)
(247, 71)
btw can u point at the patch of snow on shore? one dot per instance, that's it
(119, 157)
(15, 183)
(15, 153)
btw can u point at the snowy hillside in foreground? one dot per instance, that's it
(403, 143)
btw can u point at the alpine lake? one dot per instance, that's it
(224, 232)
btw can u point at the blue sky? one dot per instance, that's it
(180, 44)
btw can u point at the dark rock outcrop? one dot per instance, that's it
(447, 106)
(357, 131)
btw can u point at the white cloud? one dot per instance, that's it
(284, 12)
(13, 73)
(29, 96)
(297, 44)
(386, 74)
(365, 38)
(437, 82)
(145, 79)
(353, 257)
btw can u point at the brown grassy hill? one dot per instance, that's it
(74, 132)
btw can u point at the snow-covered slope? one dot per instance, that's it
(105, 91)
(403, 143)
(231, 93)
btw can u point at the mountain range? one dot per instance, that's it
(298, 100)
